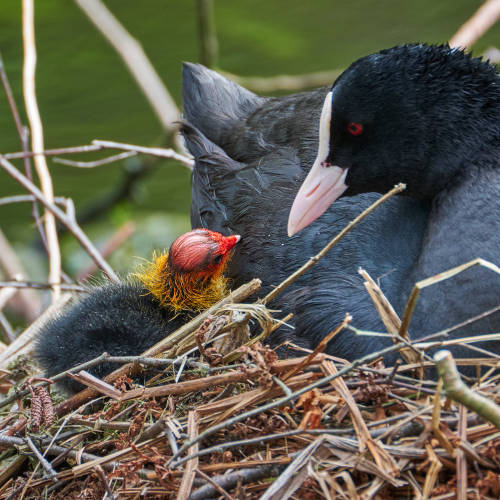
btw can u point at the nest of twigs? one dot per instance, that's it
(210, 413)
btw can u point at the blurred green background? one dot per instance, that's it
(85, 92)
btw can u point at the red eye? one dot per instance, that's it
(355, 128)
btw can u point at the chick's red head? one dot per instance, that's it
(201, 252)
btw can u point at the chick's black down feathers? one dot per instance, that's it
(120, 319)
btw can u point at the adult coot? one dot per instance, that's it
(428, 116)
(254, 199)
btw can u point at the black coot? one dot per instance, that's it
(428, 116)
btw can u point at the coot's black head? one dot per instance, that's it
(416, 114)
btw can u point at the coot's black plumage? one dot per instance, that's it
(125, 319)
(255, 199)
(276, 138)
(428, 116)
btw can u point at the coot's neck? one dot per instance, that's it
(462, 221)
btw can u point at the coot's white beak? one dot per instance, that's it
(324, 183)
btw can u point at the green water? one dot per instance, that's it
(85, 92)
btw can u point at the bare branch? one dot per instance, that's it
(37, 143)
(455, 389)
(96, 163)
(483, 19)
(136, 61)
(70, 223)
(98, 145)
(207, 35)
(285, 82)
(314, 260)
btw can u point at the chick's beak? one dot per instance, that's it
(324, 183)
(230, 241)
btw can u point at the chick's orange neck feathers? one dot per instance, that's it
(190, 276)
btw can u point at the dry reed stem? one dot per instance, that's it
(202, 383)
(460, 454)
(96, 384)
(432, 473)
(37, 144)
(382, 458)
(191, 465)
(420, 285)
(436, 420)
(285, 82)
(475, 27)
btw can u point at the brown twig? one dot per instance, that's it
(191, 465)
(218, 488)
(281, 401)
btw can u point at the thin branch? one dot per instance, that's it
(206, 32)
(10, 99)
(96, 163)
(136, 61)
(285, 82)
(455, 389)
(161, 152)
(37, 285)
(483, 19)
(314, 260)
(37, 143)
(98, 145)
(70, 223)
(51, 472)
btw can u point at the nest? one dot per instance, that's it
(223, 417)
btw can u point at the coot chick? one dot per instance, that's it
(428, 116)
(125, 319)
(254, 199)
